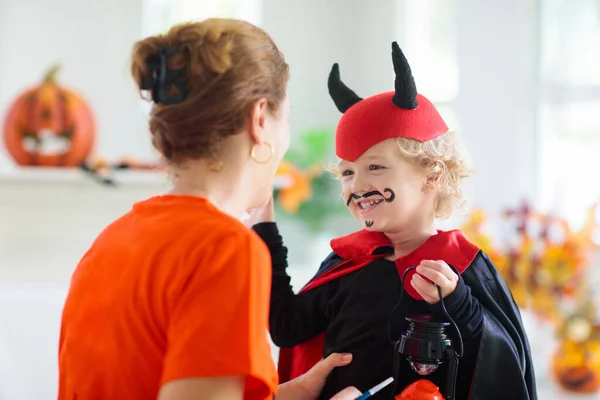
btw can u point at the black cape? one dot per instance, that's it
(504, 368)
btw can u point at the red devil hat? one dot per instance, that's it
(401, 113)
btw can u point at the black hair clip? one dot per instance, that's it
(161, 77)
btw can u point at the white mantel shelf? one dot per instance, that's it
(77, 177)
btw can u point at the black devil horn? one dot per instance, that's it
(342, 96)
(406, 90)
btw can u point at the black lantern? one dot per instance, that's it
(425, 345)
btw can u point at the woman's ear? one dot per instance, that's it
(257, 120)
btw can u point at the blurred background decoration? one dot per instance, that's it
(575, 363)
(298, 179)
(547, 265)
(106, 172)
(49, 125)
(312, 195)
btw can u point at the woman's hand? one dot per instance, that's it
(260, 214)
(350, 393)
(440, 274)
(310, 385)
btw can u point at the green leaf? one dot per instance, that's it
(311, 148)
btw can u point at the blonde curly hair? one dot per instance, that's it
(444, 163)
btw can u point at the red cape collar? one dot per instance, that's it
(450, 246)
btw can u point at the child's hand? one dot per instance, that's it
(437, 272)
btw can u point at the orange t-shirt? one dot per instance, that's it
(173, 289)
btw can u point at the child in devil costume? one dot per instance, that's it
(400, 168)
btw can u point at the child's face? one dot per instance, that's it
(385, 192)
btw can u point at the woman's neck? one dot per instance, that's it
(224, 192)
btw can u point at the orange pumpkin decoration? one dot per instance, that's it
(422, 389)
(292, 197)
(49, 126)
(576, 367)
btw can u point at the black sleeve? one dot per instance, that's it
(467, 312)
(294, 318)
(464, 309)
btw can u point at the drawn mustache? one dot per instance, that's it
(389, 199)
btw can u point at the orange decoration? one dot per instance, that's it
(49, 126)
(290, 198)
(422, 389)
(545, 265)
(474, 229)
(576, 366)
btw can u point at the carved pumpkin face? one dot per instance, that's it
(576, 367)
(49, 126)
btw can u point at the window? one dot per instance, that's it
(569, 114)
(570, 37)
(427, 36)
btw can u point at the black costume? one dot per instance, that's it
(347, 305)
(353, 311)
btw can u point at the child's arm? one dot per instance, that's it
(467, 313)
(464, 309)
(294, 318)
(495, 343)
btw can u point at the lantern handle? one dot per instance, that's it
(402, 290)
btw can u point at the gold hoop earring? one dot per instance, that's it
(254, 150)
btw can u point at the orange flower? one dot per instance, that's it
(562, 266)
(299, 189)
(545, 304)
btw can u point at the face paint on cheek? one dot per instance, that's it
(352, 197)
(391, 197)
(369, 224)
